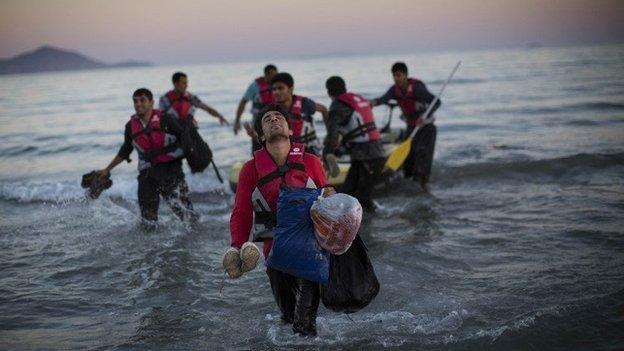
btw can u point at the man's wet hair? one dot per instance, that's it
(268, 108)
(335, 86)
(177, 76)
(143, 92)
(399, 67)
(285, 78)
(270, 67)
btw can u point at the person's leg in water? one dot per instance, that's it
(284, 287)
(179, 202)
(306, 307)
(350, 184)
(149, 200)
(174, 190)
(369, 176)
(408, 165)
(424, 146)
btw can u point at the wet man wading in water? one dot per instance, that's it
(156, 137)
(413, 98)
(278, 162)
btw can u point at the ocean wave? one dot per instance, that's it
(595, 86)
(459, 81)
(602, 106)
(554, 168)
(24, 150)
(75, 134)
(29, 192)
(583, 122)
(580, 63)
(597, 106)
(18, 150)
(124, 187)
(382, 329)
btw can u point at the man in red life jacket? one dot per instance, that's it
(156, 137)
(279, 162)
(351, 116)
(182, 104)
(300, 112)
(260, 94)
(414, 98)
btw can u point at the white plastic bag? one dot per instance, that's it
(337, 219)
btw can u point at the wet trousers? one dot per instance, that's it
(166, 180)
(419, 161)
(363, 175)
(298, 300)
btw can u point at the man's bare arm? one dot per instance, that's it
(323, 110)
(214, 113)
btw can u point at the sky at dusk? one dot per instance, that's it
(167, 32)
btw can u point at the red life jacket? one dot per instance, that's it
(181, 106)
(270, 178)
(266, 94)
(302, 126)
(361, 126)
(152, 143)
(407, 101)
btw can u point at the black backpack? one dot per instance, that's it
(196, 151)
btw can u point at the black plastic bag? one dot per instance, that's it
(196, 151)
(352, 280)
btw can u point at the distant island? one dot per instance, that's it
(47, 58)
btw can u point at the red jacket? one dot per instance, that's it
(241, 220)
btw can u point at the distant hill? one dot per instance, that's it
(47, 58)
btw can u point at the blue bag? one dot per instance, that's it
(295, 250)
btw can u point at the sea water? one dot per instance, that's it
(518, 246)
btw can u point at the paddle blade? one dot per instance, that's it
(398, 155)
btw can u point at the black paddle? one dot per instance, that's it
(217, 171)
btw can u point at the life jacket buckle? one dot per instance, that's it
(283, 169)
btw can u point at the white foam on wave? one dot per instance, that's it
(41, 191)
(124, 187)
(386, 329)
(513, 325)
(207, 182)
